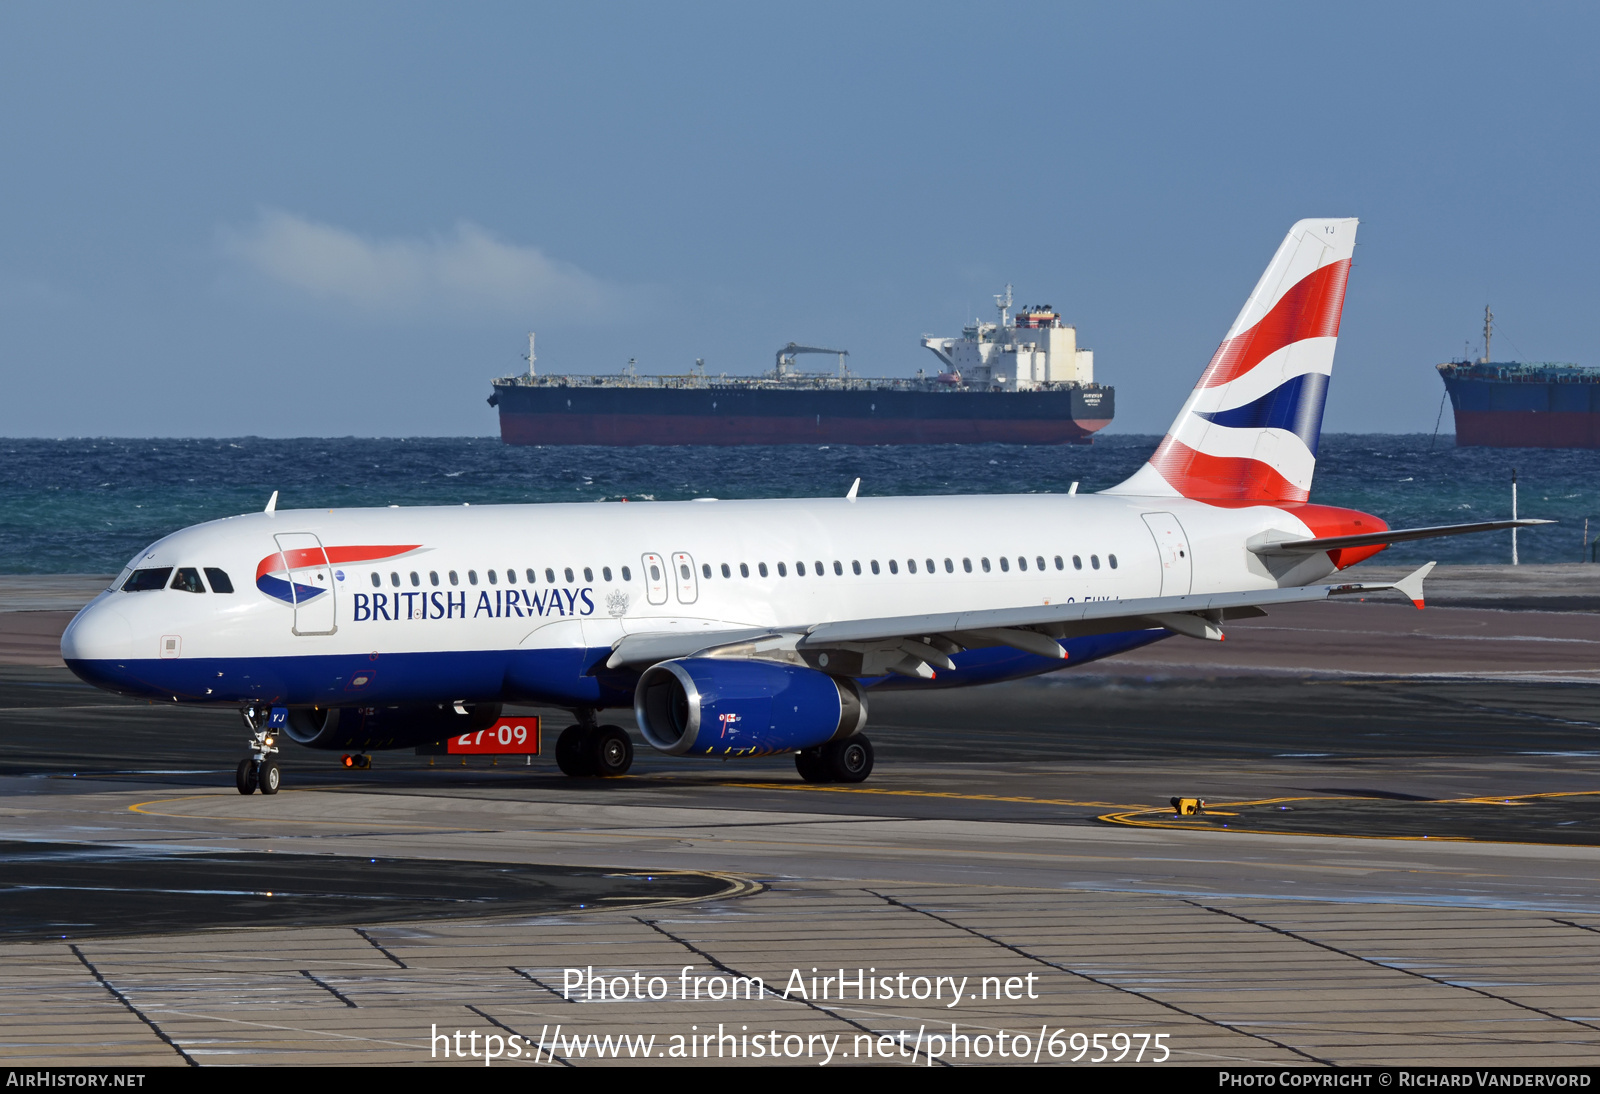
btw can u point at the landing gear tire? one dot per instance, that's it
(811, 766)
(849, 760)
(269, 777)
(573, 756)
(610, 752)
(244, 776)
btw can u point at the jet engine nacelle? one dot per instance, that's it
(369, 729)
(704, 706)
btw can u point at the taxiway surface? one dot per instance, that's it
(1399, 863)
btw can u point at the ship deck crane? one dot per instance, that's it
(785, 358)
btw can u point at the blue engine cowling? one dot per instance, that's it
(703, 706)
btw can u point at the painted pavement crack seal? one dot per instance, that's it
(135, 1011)
(1394, 968)
(692, 948)
(1020, 952)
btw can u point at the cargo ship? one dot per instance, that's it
(1512, 404)
(1019, 380)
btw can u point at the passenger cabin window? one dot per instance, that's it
(627, 574)
(433, 578)
(1022, 564)
(819, 569)
(570, 578)
(985, 563)
(744, 570)
(588, 574)
(761, 568)
(966, 564)
(415, 579)
(894, 567)
(454, 580)
(874, 565)
(1113, 560)
(1094, 561)
(394, 578)
(838, 569)
(1077, 562)
(1040, 561)
(377, 582)
(532, 575)
(800, 569)
(219, 580)
(472, 577)
(492, 579)
(142, 581)
(187, 580)
(949, 567)
(783, 571)
(683, 571)
(511, 576)
(856, 566)
(605, 572)
(1005, 564)
(911, 565)
(725, 571)
(549, 575)
(705, 568)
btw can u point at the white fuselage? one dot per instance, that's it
(570, 577)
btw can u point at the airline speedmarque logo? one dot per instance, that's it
(283, 575)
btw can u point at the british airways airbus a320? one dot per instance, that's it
(746, 628)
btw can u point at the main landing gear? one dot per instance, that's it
(846, 761)
(587, 750)
(259, 771)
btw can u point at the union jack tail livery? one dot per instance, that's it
(1249, 430)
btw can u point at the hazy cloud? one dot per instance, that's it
(465, 271)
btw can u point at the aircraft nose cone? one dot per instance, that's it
(98, 633)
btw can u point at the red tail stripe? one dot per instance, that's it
(1309, 310)
(1195, 474)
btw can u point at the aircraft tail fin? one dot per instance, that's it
(1249, 430)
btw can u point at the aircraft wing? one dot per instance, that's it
(921, 641)
(1393, 535)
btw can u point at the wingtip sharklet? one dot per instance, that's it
(1411, 584)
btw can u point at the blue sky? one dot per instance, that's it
(343, 219)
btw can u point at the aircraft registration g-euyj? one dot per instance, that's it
(747, 628)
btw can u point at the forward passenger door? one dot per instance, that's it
(310, 578)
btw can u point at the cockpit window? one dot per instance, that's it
(142, 581)
(219, 580)
(188, 580)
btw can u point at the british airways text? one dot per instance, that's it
(504, 603)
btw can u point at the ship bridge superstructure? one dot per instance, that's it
(1033, 351)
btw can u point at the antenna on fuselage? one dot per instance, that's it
(851, 496)
(272, 504)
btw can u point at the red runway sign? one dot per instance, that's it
(507, 737)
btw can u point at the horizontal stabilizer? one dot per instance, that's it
(1393, 535)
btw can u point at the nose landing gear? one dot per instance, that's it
(259, 771)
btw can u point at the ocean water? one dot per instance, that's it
(88, 505)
